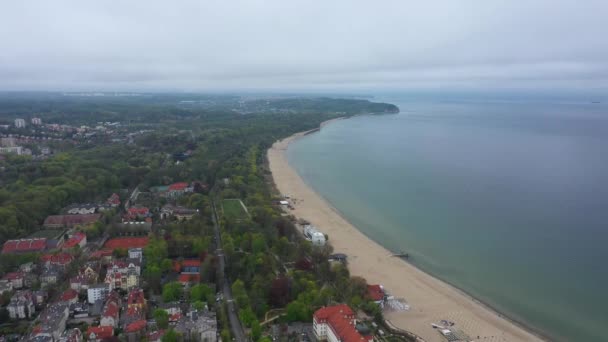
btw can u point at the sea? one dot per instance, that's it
(504, 197)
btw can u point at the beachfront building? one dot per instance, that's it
(314, 236)
(337, 324)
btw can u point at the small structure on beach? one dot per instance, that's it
(313, 235)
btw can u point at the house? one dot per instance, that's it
(136, 253)
(111, 311)
(77, 239)
(155, 336)
(98, 334)
(40, 297)
(135, 330)
(136, 299)
(198, 326)
(70, 221)
(123, 274)
(79, 283)
(15, 278)
(137, 212)
(189, 278)
(50, 275)
(24, 246)
(21, 305)
(375, 293)
(178, 189)
(81, 209)
(90, 270)
(27, 267)
(124, 266)
(69, 296)
(5, 286)
(97, 292)
(180, 213)
(114, 200)
(337, 324)
(52, 321)
(71, 335)
(79, 310)
(61, 260)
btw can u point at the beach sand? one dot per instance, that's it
(430, 299)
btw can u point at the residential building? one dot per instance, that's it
(198, 326)
(52, 321)
(61, 260)
(77, 239)
(27, 267)
(21, 305)
(5, 286)
(71, 335)
(114, 200)
(15, 278)
(82, 209)
(98, 334)
(97, 292)
(24, 246)
(135, 330)
(36, 121)
(136, 253)
(69, 296)
(50, 275)
(178, 189)
(18, 150)
(180, 213)
(19, 123)
(70, 221)
(337, 324)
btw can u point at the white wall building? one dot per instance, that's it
(19, 123)
(136, 253)
(313, 235)
(97, 292)
(36, 121)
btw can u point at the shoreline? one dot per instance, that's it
(431, 299)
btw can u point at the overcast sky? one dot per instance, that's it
(325, 45)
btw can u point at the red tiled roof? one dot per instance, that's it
(340, 319)
(136, 297)
(114, 199)
(138, 211)
(126, 243)
(101, 253)
(375, 292)
(178, 186)
(189, 278)
(178, 265)
(13, 276)
(68, 295)
(24, 245)
(175, 317)
(136, 326)
(59, 259)
(71, 220)
(74, 240)
(111, 309)
(100, 332)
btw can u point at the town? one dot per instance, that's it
(169, 230)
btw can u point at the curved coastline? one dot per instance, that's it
(431, 299)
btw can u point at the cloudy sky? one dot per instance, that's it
(325, 45)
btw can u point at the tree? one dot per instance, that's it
(170, 336)
(172, 292)
(239, 294)
(162, 318)
(256, 330)
(200, 293)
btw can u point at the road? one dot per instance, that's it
(235, 323)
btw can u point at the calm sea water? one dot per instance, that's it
(507, 200)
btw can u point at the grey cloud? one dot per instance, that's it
(350, 45)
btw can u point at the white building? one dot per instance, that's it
(97, 292)
(313, 235)
(36, 121)
(136, 253)
(19, 123)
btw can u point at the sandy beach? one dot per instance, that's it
(431, 299)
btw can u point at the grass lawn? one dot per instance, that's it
(234, 208)
(47, 233)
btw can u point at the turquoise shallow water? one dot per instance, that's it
(507, 200)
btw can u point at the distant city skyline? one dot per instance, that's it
(343, 46)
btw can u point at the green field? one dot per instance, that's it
(47, 233)
(234, 208)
